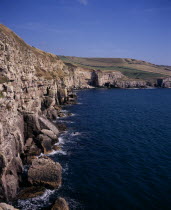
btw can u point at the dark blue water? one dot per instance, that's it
(116, 153)
(119, 157)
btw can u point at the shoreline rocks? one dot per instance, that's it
(45, 172)
(37, 84)
(30, 192)
(60, 204)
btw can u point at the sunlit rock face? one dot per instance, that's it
(32, 83)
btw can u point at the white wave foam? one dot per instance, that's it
(61, 140)
(46, 194)
(37, 202)
(57, 152)
(70, 122)
(64, 111)
(72, 115)
(64, 121)
(75, 134)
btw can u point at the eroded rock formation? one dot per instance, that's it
(33, 85)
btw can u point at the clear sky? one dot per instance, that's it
(139, 29)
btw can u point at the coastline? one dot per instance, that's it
(26, 194)
(33, 86)
(47, 193)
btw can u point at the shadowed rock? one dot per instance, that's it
(46, 143)
(31, 125)
(31, 150)
(31, 192)
(45, 172)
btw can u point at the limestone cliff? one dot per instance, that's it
(33, 84)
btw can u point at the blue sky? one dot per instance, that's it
(138, 29)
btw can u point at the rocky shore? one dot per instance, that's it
(33, 87)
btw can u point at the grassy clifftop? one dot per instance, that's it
(13, 36)
(132, 68)
(47, 65)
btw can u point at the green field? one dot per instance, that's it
(131, 68)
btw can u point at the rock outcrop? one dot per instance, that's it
(166, 83)
(45, 172)
(89, 78)
(32, 85)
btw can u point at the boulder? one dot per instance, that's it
(49, 133)
(45, 172)
(4, 206)
(60, 204)
(46, 124)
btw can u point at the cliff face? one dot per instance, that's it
(32, 86)
(78, 77)
(166, 83)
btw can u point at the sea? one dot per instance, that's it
(116, 152)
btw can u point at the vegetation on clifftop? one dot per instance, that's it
(25, 46)
(132, 68)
